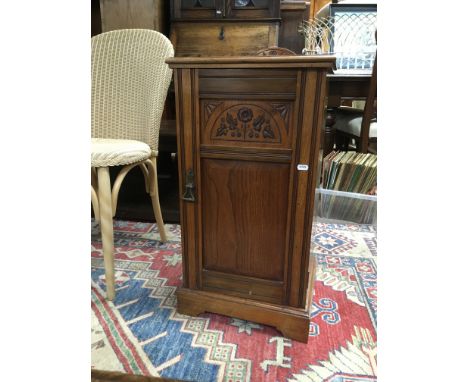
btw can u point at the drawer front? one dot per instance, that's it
(222, 39)
(241, 286)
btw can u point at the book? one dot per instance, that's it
(334, 169)
(345, 172)
(350, 171)
(326, 167)
(365, 174)
(343, 169)
(357, 171)
(371, 179)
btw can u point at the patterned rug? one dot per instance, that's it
(141, 332)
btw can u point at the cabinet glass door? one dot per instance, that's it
(197, 9)
(194, 4)
(233, 9)
(252, 9)
(251, 3)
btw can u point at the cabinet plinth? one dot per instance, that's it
(249, 132)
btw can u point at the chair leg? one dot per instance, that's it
(360, 148)
(107, 232)
(94, 198)
(342, 142)
(155, 200)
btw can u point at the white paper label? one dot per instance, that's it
(302, 167)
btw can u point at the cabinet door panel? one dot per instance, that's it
(246, 9)
(245, 206)
(225, 9)
(197, 9)
(194, 4)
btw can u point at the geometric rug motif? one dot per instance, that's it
(353, 239)
(140, 332)
(357, 277)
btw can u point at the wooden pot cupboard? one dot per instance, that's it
(249, 132)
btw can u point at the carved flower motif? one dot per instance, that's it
(244, 114)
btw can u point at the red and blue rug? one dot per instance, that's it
(141, 332)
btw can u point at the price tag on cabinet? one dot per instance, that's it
(302, 167)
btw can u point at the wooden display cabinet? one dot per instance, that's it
(249, 131)
(225, 9)
(223, 27)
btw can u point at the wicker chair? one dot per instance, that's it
(130, 80)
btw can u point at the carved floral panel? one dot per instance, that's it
(247, 122)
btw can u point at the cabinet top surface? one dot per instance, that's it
(322, 61)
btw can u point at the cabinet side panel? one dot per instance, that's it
(245, 213)
(187, 148)
(306, 142)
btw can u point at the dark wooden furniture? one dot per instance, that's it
(96, 27)
(224, 9)
(128, 14)
(292, 14)
(363, 120)
(249, 131)
(223, 27)
(340, 87)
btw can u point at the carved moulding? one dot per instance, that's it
(250, 123)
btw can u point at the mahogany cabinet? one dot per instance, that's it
(223, 27)
(224, 9)
(249, 131)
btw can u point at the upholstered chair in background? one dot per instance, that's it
(359, 125)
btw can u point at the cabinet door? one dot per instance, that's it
(252, 9)
(225, 9)
(246, 146)
(197, 9)
(246, 205)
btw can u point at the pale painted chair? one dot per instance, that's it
(130, 80)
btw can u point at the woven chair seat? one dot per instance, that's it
(117, 152)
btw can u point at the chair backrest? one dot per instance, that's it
(369, 110)
(130, 80)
